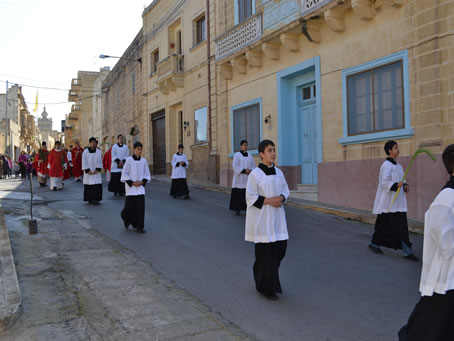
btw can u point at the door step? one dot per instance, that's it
(307, 192)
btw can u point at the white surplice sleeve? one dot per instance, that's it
(386, 177)
(126, 171)
(146, 172)
(252, 190)
(85, 161)
(284, 187)
(251, 165)
(99, 164)
(174, 160)
(237, 168)
(442, 229)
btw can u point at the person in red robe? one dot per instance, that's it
(107, 163)
(57, 163)
(67, 172)
(77, 161)
(41, 159)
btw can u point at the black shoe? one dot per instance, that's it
(186, 197)
(375, 249)
(115, 194)
(121, 194)
(174, 196)
(412, 257)
(126, 224)
(273, 297)
(141, 230)
(95, 202)
(237, 213)
(90, 202)
(54, 189)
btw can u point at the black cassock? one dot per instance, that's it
(431, 320)
(179, 187)
(238, 199)
(134, 211)
(115, 184)
(391, 229)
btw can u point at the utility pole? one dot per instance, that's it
(6, 119)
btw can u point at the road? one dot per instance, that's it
(334, 287)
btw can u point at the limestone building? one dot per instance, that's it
(330, 82)
(122, 100)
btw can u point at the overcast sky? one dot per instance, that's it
(44, 43)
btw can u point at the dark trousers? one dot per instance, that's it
(431, 320)
(268, 257)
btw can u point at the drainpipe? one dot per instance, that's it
(209, 73)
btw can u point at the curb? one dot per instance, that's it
(366, 217)
(10, 295)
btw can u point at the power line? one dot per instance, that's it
(49, 88)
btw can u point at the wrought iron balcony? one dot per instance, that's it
(171, 73)
(238, 37)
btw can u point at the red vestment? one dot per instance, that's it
(41, 159)
(107, 160)
(77, 161)
(57, 160)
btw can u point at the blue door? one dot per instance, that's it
(308, 120)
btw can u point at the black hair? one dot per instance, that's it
(265, 143)
(243, 142)
(180, 146)
(92, 139)
(70, 146)
(448, 158)
(138, 144)
(44, 143)
(389, 145)
(57, 142)
(119, 136)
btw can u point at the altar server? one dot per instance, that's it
(391, 227)
(180, 163)
(135, 174)
(266, 226)
(243, 164)
(433, 316)
(92, 166)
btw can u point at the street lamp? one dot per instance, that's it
(104, 56)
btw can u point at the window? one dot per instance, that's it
(154, 61)
(375, 100)
(246, 126)
(200, 30)
(200, 122)
(245, 9)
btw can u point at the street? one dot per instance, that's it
(334, 287)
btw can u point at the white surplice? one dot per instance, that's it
(135, 170)
(92, 162)
(118, 153)
(180, 171)
(240, 163)
(389, 175)
(266, 224)
(437, 274)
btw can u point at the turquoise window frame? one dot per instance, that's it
(403, 133)
(254, 152)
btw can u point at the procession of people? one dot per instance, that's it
(261, 190)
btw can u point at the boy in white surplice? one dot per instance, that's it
(266, 225)
(180, 163)
(433, 316)
(92, 166)
(391, 227)
(135, 174)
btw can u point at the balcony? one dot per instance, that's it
(73, 96)
(171, 73)
(239, 37)
(76, 84)
(76, 110)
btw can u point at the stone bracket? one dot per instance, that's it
(291, 41)
(397, 3)
(254, 58)
(240, 64)
(226, 71)
(364, 9)
(271, 50)
(335, 19)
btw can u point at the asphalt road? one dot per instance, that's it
(334, 287)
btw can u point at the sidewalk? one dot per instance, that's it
(80, 285)
(344, 212)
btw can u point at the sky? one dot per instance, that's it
(44, 43)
